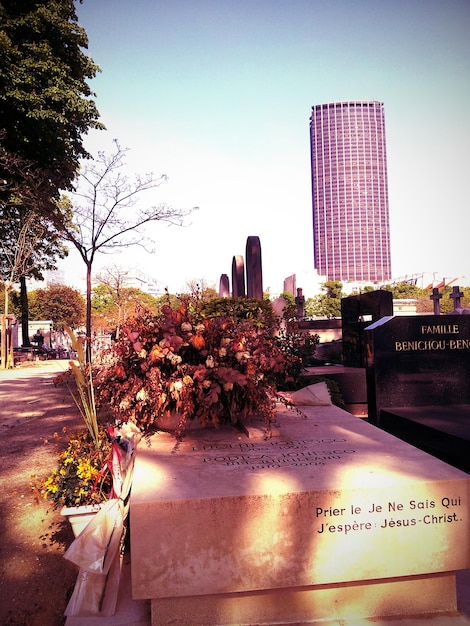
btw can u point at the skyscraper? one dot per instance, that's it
(351, 233)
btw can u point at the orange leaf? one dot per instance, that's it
(198, 342)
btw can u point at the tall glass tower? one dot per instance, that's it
(351, 233)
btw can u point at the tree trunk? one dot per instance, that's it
(4, 333)
(88, 312)
(24, 313)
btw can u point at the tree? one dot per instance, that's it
(61, 304)
(114, 301)
(104, 217)
(17, 249)
(406, 290)
(201, 288)
(29, 245)
(46, 104)
(290, 310)
(45, 108)
(328, 303)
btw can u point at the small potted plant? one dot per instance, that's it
(78, 484)
(91, 467)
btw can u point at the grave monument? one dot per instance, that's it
(254, 272)
(357, 312)
(224, 286)
(238, 277)
(418, 381)
(330, 518)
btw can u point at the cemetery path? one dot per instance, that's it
(35, 580)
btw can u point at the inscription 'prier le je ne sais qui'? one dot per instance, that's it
(389, 515)
(428, 342)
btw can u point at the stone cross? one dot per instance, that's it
(238, 277)
(435, 297)
(224, 286)
(254, 274)
(456, 295)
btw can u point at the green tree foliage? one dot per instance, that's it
(46, 107)
(61, 304)
(288, 297)
(328, 303)
(102, 301)
(465, 304)
(406, 290)
(258, 311)
(424, 304)
(110, 308)
(29, 245)
(46, 104)
(167, 299)
(14, 301)
(290, 310)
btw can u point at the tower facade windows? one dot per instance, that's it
(351, 232)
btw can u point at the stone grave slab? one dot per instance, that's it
(331, 519)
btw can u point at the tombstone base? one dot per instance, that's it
(332, 519)
(418, 595)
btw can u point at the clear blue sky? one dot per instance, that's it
(217, 94)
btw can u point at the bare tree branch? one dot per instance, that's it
(105, 215)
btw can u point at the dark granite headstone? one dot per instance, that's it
(358, 312)
(418, 370)
(238, 277)
(224, 286)
(254, 274)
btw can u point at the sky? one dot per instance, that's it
(217, 95)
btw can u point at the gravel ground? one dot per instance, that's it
(35, 580)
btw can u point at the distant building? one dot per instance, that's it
(140, 280)
(351, 233)
(405, 306)
(290, 284)
(309, 281)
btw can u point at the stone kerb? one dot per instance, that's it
(331, 501)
